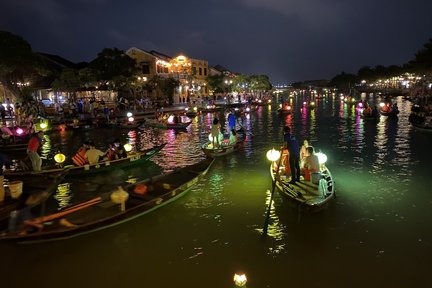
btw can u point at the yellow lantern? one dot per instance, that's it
(322, 158)
(43, 125)
(120, 196)
(59, 158)
(273, 155)
(127, 147)
(240, 280)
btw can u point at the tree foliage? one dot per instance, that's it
(115, 67)
(18, 64)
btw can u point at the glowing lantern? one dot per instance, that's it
(195, 109)
(280, 105)
(269, 101)
(360, 105)
(240, 280)
(19, 131)
(129, 114)
(273, 155)
(322, 158)
(120, 196)
(43, 125)
(288, 108)
(221, 137)
(304, 103)
(187, 109)
(127, 147)
(247, 109)
(131, 119)
(59, 158)
(382, 104)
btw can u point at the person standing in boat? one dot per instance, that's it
(303, 151)
(231, 121)
(32, 150)
(215, 130)
(92, 155)
(294, 155)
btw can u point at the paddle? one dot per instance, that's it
(267, 219)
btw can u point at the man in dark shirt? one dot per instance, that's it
(294, 154)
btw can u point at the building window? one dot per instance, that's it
(145, 68)
(194, 70)
(200, 71)
(205, 71)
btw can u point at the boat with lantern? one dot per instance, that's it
(226, 146)
(109, 209)
(182, 122)
(285, 108)
(313, 195)
(133, 158)
(209, 108)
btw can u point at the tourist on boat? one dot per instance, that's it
(234, 137)
(367, 111)
(303, 151)
(215, 130)
(111, 154)
(231, 121)
(79, 158)
(32, 150)
(93, 155)
(119, 149)
(294, 154)
(311, 163)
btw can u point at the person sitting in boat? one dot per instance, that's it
(367, 111)
(311, 163)
(234, 137)
(79, 158)
(111, 154)
(93, 155)
(395, 108)
(119, 149)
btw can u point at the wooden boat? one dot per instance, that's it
(285, 109)
(33, 193)
(133, 158)
(225, 148)
(421, 123)
(209, 109)
(166, 125)
(312, 197)
(6, 147)
(101, 212)
(390, 113)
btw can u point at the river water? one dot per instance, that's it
(375, 233)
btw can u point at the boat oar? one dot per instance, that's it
(36, 222)
(267, 219)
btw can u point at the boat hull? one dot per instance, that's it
(162, 190)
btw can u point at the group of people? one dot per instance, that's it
(89, 154)
(215, 128)
(300, 160)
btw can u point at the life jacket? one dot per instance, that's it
(79, 158)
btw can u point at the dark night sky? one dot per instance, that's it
(285, 39)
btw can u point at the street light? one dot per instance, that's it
(228, 83)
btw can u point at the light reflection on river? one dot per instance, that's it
(375, 233)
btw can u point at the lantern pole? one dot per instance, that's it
(267, 219)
